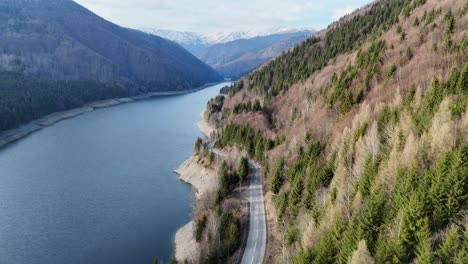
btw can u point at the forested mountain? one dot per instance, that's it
(60, 45)
(362, 131)
(236, 58)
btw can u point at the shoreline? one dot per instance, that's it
(204, 126)
(202, 180)
(12, 135)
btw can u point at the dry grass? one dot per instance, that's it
(361, 255)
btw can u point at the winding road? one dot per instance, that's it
(256, 243)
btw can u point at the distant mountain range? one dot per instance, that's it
(234, 54)
(197, 42)
(59, 39)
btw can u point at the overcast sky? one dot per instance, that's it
(222, 15)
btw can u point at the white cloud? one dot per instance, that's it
(219, 15)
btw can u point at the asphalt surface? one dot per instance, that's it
(256, 243)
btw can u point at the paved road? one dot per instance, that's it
(255, 249)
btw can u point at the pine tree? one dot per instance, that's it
(370, 171)
(259, 150)
(198, 145)
(233, 231)
(409, 53)
(462, 85)
(326, 251)
(257, 107)
(452, 81)
(372, 218)
(296, 192)
(225, 181)
(449, 186)
(447, 252)
(349, 243)
(277, 180)
(424, 253)
(462, 255)
(243, 169)
(413, 222)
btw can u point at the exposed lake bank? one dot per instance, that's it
(203, 180)
(12, 135)
(204, 126)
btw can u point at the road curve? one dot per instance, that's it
(256, 243)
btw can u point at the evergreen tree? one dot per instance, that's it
(277, 180)
(462, 255)
(409, 53)
(349, 243)
(243, 169)
(449, 187)
(198, 145)
(281, 203)
(412, 224)
(447, 252)
(452, 81)
(259, 150)
(424, 254)
(257, 107)
(296, 192)
(370, 171)
(462, 85)
(372, 218)
(233, 233)
(327, 250)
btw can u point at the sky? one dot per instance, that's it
(208, 16)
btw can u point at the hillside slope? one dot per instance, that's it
(239, 57)
(59, 39)
(363, 133)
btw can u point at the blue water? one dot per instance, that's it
(99, 188)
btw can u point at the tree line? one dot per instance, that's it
(23, 99)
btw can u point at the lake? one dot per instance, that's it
(99, 188)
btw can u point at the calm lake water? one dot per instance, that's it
(99, 188)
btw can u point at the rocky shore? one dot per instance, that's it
(203, 180)
(204, 126)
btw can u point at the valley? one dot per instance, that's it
(345, 144)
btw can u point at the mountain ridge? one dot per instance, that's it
(61, 31)
(188, 37)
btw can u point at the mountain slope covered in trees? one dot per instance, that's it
(53, 51)
(239, 57)
(363, 134)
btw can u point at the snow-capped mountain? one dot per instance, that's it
(234, 54)
(196, 42)
(178, 36)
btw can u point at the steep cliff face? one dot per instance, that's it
(58, 39)
(364, 127)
